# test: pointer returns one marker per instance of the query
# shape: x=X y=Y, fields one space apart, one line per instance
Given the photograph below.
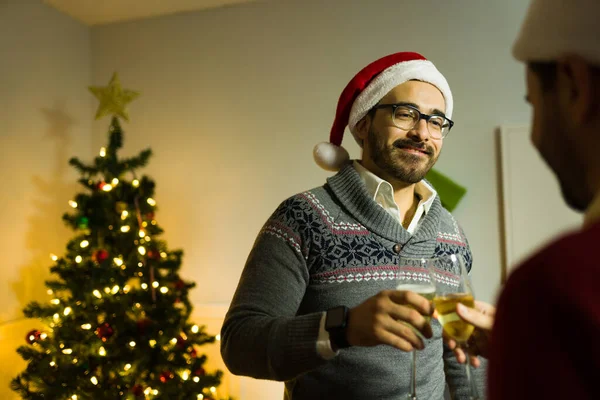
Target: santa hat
x=365 y=90
x=554 y=28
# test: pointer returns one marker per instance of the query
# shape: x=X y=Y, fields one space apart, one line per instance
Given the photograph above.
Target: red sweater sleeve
x=546 y=338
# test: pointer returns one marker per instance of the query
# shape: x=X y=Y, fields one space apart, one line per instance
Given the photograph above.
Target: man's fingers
x=485 y=308
x=414 y=300
x=475 y=317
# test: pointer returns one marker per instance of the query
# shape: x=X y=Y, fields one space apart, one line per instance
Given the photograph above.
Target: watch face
x=336 y=317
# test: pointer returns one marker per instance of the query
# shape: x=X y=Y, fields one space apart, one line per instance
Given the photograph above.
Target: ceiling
x=94 y=12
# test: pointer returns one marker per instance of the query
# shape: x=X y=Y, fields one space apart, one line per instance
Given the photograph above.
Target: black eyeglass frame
x=421 y=115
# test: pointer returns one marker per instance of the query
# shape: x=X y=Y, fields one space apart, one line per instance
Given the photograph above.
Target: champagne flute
x=414 y=275
x=453 y=286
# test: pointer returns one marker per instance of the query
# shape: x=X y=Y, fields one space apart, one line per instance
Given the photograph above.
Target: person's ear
x=575 y=85
x=362 y=127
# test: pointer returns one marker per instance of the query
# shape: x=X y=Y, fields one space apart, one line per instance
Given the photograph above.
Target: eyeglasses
x=406 y=117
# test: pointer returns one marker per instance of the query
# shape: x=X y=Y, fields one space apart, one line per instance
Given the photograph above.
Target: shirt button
x=397 y=248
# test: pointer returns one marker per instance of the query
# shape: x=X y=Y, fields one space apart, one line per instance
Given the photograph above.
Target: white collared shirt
x=383 y=194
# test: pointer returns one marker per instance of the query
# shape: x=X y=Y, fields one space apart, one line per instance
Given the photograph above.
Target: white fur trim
x=393 y=76
x=554 y=28
x=329 y=156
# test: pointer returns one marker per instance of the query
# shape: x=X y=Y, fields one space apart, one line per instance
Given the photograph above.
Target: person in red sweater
x=542 y=341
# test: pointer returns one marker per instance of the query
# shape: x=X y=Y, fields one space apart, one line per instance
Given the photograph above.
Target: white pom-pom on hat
x=365 y=90
x=330 y=157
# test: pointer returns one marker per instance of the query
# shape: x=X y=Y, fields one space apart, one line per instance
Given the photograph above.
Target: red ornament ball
x=199 y=372
x=100 y=255
x=104 y=331
x=101 y=185
x=137 y=390
x=153 y=254
x=150 y=215
x=166 y=376
x=143 y=325
x=33 y=336
x=193 y=353
x=180 y=284
x=181 y=342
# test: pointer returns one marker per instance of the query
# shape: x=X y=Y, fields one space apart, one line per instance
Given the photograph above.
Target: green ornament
x=83 y=222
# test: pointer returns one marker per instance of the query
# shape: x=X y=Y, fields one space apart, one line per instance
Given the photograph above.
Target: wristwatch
x=336 y=322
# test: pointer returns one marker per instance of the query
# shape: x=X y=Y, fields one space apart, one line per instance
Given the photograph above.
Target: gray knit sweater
x=329 y=246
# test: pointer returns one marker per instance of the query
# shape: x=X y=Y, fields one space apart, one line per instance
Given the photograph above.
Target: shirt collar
x=374 y=184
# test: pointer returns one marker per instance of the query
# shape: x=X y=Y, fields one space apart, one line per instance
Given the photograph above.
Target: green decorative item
x=449 y=191
x=83 y=223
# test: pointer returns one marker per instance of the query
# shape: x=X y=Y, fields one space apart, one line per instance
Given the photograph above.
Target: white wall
x=44 y=71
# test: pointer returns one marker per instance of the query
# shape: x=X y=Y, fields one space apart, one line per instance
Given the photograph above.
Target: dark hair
x=546 y=72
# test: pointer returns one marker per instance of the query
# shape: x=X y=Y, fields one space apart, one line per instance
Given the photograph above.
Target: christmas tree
x=118 y=318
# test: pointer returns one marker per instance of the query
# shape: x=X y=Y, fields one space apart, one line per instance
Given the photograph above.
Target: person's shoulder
x=567 y=259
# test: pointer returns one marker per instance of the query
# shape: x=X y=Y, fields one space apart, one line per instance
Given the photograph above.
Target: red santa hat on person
x=365 y=90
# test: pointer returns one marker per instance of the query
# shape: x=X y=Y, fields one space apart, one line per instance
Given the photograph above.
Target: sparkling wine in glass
x=453 y=286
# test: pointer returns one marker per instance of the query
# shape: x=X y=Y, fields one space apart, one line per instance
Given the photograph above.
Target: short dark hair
x=546 y=72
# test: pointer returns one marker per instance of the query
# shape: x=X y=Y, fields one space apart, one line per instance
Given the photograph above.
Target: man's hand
x=390 y=317
x=482 y=317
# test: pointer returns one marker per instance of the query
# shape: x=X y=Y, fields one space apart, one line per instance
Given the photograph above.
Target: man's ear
x=575 y=83
x=362 y=127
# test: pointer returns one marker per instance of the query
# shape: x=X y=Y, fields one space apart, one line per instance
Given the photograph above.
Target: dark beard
x=407 y=168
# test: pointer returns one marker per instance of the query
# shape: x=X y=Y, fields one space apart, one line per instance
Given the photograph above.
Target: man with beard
x=544 y=341
x=316 y=304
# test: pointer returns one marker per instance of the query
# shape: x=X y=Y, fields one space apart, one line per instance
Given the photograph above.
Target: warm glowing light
x=107 y=187
x=115 y=289
x=135 y=183
x=195 y=329
x=87 y=327
x=124 y=214
x=43 y=335
x=152 y=343
x=52 y=363
x=163 y=254
x=164 y=289
x=148 y=391
x=102 y=151
x=185 y=375
x=94 y=380
x=132 y=343
x=78 y=259
x=84 y=244
x=155 y=392
x=73 y=203
x=125 y=228
x=115 y=182
x=56 y=317
x=142 y=233
x=144 y=286
x=196 y=379
x=74 y=397
x=67 y=311
x=127 y=367
x=200 y=396
x=54 y=257
x=118 y=261
x=67 y=351
x=107 y=290
x=97 y=293
x=102 y=351
x=155 y=284
x=75 y=360
x=218 y=337
x=173 y=341
x=151 y=201
x=49 y=291
x=142 y=250
x=55 y=301
x=126 y=289
x=213 y=389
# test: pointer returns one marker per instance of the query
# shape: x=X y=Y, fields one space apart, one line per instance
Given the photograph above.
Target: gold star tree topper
x=113 y=99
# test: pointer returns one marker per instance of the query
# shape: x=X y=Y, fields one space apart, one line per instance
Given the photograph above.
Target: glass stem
x=472 y=386
x=413 y=377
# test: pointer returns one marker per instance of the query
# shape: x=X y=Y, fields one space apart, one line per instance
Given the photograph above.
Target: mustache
x=407 y=143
